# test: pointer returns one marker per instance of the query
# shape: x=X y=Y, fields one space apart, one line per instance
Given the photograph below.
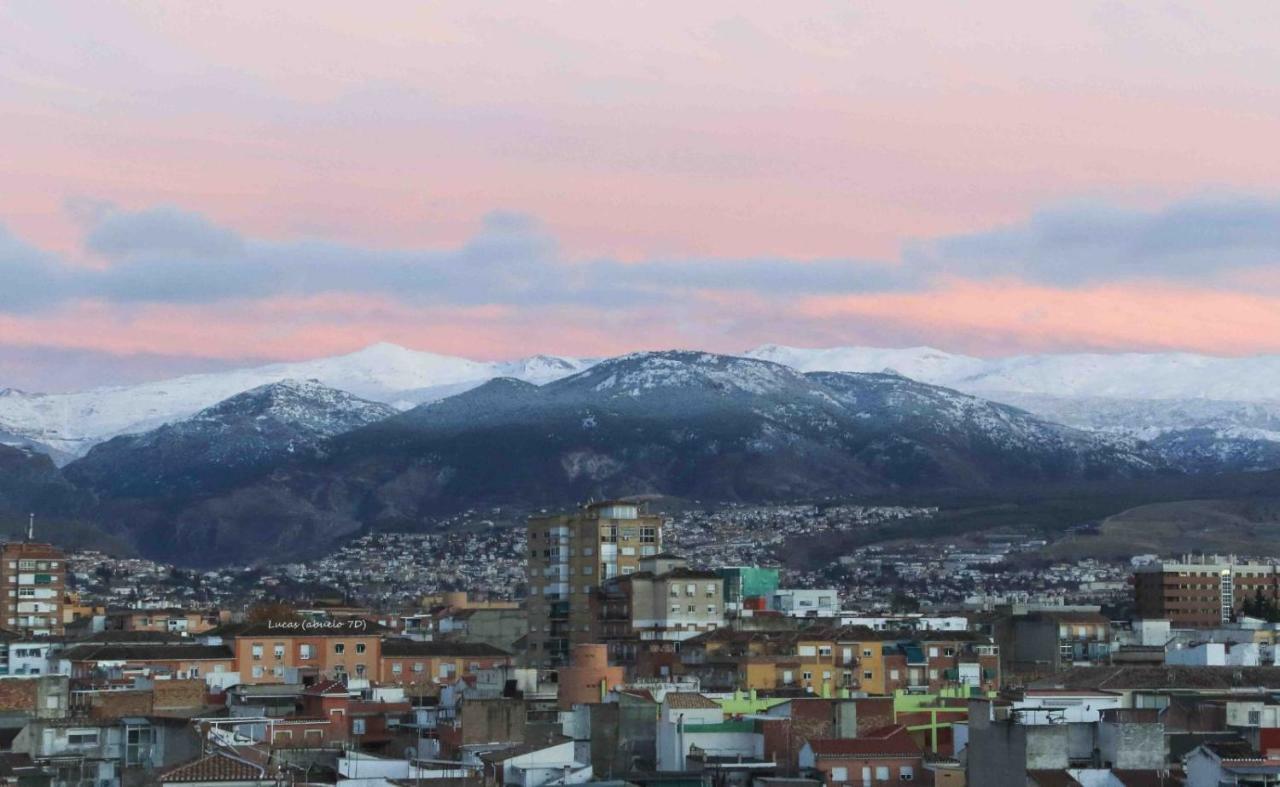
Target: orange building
x=588 y=675
x=406 y=661
x=330 y=649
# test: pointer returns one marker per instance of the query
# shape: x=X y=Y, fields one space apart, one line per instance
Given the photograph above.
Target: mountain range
x=390 y=438
x=1204 y=411
x=292 y=465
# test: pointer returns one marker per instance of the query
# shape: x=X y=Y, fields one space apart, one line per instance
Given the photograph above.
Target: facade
x=749 y=587
x=167 y=620
x=641 y=616
x=405 y=661
x=806 y=602
x=878 y=757
x=269 y=652
x=34 y=577
x=570 y=555
x=1202 y=591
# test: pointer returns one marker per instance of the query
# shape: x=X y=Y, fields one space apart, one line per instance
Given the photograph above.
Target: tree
x=901 y=602
x=272 y=611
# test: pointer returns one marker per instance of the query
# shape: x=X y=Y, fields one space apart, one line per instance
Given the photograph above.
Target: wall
x=1135 y=746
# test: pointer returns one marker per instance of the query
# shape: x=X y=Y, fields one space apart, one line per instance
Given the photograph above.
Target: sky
x=196 y=186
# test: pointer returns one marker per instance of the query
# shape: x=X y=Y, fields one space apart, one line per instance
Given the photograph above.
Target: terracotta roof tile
x=215 y=767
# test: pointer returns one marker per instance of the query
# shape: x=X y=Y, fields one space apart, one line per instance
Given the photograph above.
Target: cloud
x=161 y=231
x=170 y=256
x=1193 y=240
x=167 y=255
x=29 y=278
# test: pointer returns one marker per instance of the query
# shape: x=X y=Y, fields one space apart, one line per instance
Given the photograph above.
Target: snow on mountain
x=924 y=364
x=639 y=373
x=1151 y=376
x=1195 y=409
x=72 y=423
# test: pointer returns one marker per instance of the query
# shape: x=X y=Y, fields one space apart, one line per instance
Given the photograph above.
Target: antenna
x=31 y=528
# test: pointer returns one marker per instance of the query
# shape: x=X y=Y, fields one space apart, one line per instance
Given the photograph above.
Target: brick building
x=34 y=578
x=267 y=652
x=1202 y=591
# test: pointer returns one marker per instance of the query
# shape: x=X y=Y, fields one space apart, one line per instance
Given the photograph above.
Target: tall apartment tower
x=569 y=556
x=33 y=583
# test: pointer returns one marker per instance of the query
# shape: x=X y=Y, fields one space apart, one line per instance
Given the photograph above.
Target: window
x=357 y=726
x=648 y=535
x=82 y=738
x=933 y=653
x=360 y=647
x=839 y=775
x=304 y=652
x=675 y=591
x=675 y=609
x=867 y=675
x=711 y=609
x=588 y=551
x=882 y=771
x=648 y=551
x=866 y=653
x=339 y=647
x=807 y=675
x=1255 y=718
x=824 y=650
x=948 y=651
x=257 y=651
x=906 y=773
x=587 y=570
x=417 y=666
x=278 y=651
x=893 y=674
x=693 y=609
x=257 y=670
x=690 y=590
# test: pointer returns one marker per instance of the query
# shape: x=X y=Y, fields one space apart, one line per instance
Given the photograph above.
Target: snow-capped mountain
x=1200 y=412
x=220 y=443
x=72 y=423
x=1146 y=376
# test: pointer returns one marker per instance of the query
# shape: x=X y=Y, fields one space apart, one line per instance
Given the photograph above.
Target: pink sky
x=705 y=134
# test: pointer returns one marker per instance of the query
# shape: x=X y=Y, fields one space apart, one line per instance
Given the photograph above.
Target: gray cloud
x=170 y=256
x=1197 y=239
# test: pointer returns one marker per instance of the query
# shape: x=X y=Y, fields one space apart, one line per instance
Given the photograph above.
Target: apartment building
x=570 y=555
x=1202 y=591
x=642 y=615
x=405 y=661
x=270 y=652
x=34 y=576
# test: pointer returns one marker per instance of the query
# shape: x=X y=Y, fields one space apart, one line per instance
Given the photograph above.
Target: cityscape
x=609 y=394
x=609 y=643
